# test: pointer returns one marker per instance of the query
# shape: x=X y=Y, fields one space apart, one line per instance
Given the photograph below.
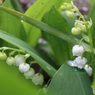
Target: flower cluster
x=20 y=61
x=68 y=7
x=80 y=61
x=81 y=27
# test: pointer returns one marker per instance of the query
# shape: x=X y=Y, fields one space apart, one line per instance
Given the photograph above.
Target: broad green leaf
x=21 y=44
x=61 y=49
x=92 y=16
x=37 y=10
x=70 y=81
x=12 y=82
x=10 y=23
x=46 y=28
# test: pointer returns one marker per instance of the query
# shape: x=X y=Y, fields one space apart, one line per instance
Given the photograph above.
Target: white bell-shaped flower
x=80 y=62
x=19 y=59
x=24 y=67
x=29 y=74
x=10 y=61
x=77 y=50
x=38 y=79
x=88 y=69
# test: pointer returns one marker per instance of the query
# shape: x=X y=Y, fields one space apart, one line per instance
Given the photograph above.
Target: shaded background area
x=83 y=5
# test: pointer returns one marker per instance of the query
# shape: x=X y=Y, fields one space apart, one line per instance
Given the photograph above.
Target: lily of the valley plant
x=48 y=50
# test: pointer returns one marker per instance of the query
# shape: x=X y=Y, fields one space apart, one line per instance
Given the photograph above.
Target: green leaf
x=70 y=81
x=37 y=10
x=61 y=49
x=92 y=16
x=46 y=28
x=21 y=44
x=16 y=5
x=10 y=23
x=12 y=82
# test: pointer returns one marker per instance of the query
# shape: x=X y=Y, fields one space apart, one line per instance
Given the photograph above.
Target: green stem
x=46 y=28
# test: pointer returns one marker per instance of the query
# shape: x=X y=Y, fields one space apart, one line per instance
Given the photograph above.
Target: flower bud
x=24 y=67
x=82 y=27
x=29 y=74
x=10 y=61
x=3 y=56
x=80 y=62
x=63 y=8
x=38 y=79
x=77 y=50
x=76 y=31
x=70 y=14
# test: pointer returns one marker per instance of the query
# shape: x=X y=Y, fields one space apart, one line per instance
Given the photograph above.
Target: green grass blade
x=37 y=10
x=45 y=27
x=10 y=23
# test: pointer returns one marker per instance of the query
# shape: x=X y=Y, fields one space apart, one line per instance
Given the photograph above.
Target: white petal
x=72 y=63
x=80 y=62
x=88 y=69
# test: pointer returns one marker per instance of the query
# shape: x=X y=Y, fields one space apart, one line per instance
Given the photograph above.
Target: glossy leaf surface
x=70 y=81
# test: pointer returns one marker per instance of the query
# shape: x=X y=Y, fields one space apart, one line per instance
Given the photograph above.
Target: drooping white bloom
x=88 y=69
x=29 y=74
x=38 y=79
x=10 y=61
x=24 y=67
x=80 y=62
x=19 y=59
x=77 y=50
